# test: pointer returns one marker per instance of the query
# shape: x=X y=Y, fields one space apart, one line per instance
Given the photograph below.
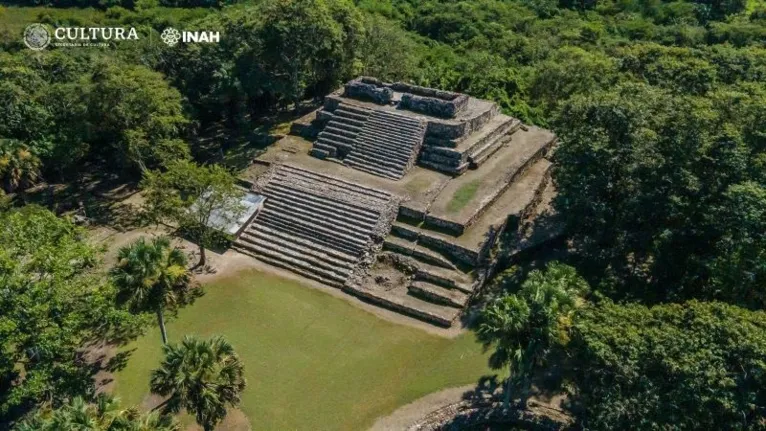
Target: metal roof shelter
x=252 y=204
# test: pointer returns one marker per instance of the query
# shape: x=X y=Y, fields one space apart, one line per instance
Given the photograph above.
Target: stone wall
x=445 y=134
x=369 y=89
x=431 y=92
x=432 y=105
x=430 y=101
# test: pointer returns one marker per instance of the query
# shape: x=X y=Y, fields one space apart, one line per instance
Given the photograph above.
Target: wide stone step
x=288 y=202
x=295 y=258
x=373 y=170
x=391 y=135
x=453 y=170
x=438 y=294
x=345 y=259
x=338 y=145
x=410 y=305
x=276 y=186
x=348 y=121
x=446 y=161
x=297 y=268
x=451 y=279
x=305 y=183
x=335 y=138
x=345 y=113
x=488 y=151
x=329 y=220
x=334 y=242
x=308 y=200
x=374 y=160
x=319 y=223
x=340 y=131
x=393 y=129
x=367 y=191
x=404 y=147
x=409 y=248
x=388 y=134
x=344 y=124
x=299 y=251
x=498 y=126
x=383 y=159
x=329 y=149
x=388 y=117
x=319 y=153
x=329 y=232
x=383 y=151
x=355 y=109
x=480 y=153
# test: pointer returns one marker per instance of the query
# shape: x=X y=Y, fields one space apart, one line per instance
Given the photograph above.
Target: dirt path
x=407 y=415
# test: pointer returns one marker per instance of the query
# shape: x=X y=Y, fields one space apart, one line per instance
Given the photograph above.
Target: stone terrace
x=315 y=225
x=332 y=201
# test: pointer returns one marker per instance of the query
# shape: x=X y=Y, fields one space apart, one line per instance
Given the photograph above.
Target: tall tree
x=686 y=366
x=524 y=327
x=188 y=195
x=152 y=276
x=308 y=44
x=54 y=301
x=138 y=117
x=105 y=414
x=201 y=376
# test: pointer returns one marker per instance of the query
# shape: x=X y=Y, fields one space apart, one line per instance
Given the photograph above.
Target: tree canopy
x=201 y=376
x=55 y=301
x=188 y=196
x=526 y=326
x=697 y=365
x=105 y=414
x=153 y=277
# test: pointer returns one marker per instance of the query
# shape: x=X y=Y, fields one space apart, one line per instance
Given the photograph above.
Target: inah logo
x=170 y=36
x=36 y=37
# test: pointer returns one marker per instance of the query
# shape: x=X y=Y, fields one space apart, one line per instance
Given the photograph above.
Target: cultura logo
x=170 y=36
x=36 y=37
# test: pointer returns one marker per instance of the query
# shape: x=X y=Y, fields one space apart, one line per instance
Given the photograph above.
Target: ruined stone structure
x=399 y=195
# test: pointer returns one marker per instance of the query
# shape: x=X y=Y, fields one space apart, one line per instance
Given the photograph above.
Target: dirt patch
x=404 y=416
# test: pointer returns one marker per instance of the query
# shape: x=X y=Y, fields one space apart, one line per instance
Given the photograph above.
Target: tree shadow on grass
x=119 y=361
x=94 y=200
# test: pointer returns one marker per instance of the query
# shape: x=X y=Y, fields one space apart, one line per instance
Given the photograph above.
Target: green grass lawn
x=463 y=195
x=313 y=361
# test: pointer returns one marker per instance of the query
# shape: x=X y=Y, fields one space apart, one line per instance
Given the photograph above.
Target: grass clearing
x=463 y=195
x=313 y=361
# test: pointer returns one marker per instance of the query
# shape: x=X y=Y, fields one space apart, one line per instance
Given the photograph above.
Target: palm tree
x=525 y=326
x=103 y=415
x=201 y=376
x=152 y=276
x=19 y=168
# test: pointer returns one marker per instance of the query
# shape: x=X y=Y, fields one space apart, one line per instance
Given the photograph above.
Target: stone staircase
x=387 y=144
x=338 y=138
x=312 y=224
x=456 y=156
x=439 y=288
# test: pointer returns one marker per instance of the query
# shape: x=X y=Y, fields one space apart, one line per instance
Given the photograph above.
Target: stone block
x=358 y=89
